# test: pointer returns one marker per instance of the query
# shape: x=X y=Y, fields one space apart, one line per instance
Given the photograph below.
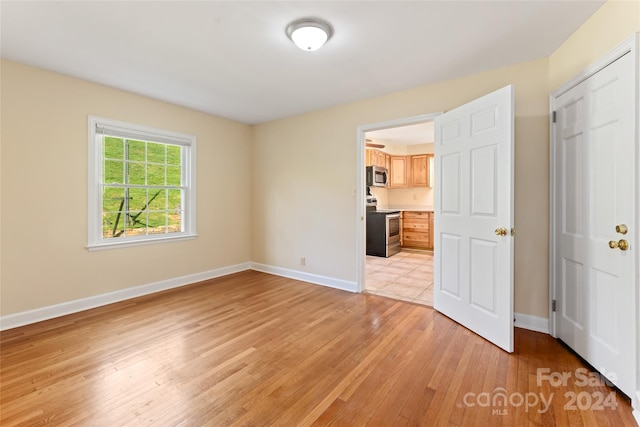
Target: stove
x=383 y=231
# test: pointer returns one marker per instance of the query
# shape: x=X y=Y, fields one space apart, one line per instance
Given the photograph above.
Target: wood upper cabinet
x=420 y=170
x=399 y=171
x=404 y=171
x=376 y=158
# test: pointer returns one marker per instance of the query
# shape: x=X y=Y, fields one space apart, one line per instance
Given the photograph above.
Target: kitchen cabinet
x=404 y=171
x=376 y=158
x=399 y=172
x=417 y=230
x=420 y=176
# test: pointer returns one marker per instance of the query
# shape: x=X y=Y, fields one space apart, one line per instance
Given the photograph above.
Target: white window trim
x=94 y=236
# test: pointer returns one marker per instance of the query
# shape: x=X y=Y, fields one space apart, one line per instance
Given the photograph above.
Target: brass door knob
x=622 y=229
x=501 y=231
x=622 y=244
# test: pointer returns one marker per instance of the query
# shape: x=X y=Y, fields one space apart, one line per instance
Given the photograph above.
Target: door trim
x=360 y=184
x=628 y=47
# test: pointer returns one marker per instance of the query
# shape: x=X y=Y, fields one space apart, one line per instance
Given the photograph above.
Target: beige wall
x=304 y=178
x=44 y=192
x=613 y=23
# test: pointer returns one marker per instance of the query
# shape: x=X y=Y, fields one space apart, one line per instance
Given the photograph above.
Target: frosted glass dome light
x=309 y=33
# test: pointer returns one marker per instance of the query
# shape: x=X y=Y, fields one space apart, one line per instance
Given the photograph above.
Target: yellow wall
x=304 y=177
x=612 y=24
x=44 y=192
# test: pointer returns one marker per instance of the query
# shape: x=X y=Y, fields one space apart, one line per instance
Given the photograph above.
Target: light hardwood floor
x=407 y=275
x=252 y=349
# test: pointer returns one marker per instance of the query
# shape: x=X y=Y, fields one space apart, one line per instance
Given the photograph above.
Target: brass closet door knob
x=622 y=244
x=622 y=229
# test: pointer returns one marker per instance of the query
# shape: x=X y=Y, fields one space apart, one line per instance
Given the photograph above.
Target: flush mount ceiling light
x=309 y=33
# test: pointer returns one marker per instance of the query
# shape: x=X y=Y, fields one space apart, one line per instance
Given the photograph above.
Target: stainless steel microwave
x=377 y=176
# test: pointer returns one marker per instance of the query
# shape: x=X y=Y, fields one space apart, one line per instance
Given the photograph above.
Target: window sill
x=141 y=242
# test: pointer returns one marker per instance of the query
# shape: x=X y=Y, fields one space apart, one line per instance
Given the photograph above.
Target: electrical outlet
x=303 y=261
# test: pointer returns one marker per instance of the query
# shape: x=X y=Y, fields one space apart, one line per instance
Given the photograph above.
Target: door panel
x=473 y=280
x=450 y=183
x=483 y=275
x=451 y=259
x=572 y=292
x=595 y=191
x=484 y=174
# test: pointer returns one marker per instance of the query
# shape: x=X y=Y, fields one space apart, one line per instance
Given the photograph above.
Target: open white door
x=473 y=243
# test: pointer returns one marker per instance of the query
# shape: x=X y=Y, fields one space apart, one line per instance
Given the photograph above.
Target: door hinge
x=553 y=305
x=553 y=117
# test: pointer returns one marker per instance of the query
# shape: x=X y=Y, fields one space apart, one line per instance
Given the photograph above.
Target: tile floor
x=407 y=276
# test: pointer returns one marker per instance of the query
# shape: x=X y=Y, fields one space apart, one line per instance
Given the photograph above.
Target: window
x=141 y=184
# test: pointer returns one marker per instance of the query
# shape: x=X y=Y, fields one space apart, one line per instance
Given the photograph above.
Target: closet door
x=595 y=222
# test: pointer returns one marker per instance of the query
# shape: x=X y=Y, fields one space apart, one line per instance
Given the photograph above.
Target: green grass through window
x=152 y=210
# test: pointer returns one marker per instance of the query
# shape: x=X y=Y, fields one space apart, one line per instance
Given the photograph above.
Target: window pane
x=112 y=225
x=175 y=222
x=135 y=150
x=112 y=199
x=175 y=200
x=136 y=173
x=113 y=148
x=175 y=211
x=173 y=176
x=113 y=172
x=157 y=200
x=137 y=199
x=155 y=152
x=155 y=174
x=173 y=155
x=157 y=222
x=136 y=223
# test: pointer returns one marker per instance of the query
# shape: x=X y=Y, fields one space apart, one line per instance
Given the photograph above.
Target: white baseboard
x=306 y=277
x=532 y=323
x=32 y=316
x=10 y=321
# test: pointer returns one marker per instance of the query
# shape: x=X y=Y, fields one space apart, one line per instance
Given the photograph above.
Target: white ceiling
x=233 y=59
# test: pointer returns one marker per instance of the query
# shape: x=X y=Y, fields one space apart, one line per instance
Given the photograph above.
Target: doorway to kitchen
x=403 y=149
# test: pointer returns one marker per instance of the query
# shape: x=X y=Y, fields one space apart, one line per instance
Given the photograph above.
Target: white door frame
x=361 y=181
x=628 y=47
